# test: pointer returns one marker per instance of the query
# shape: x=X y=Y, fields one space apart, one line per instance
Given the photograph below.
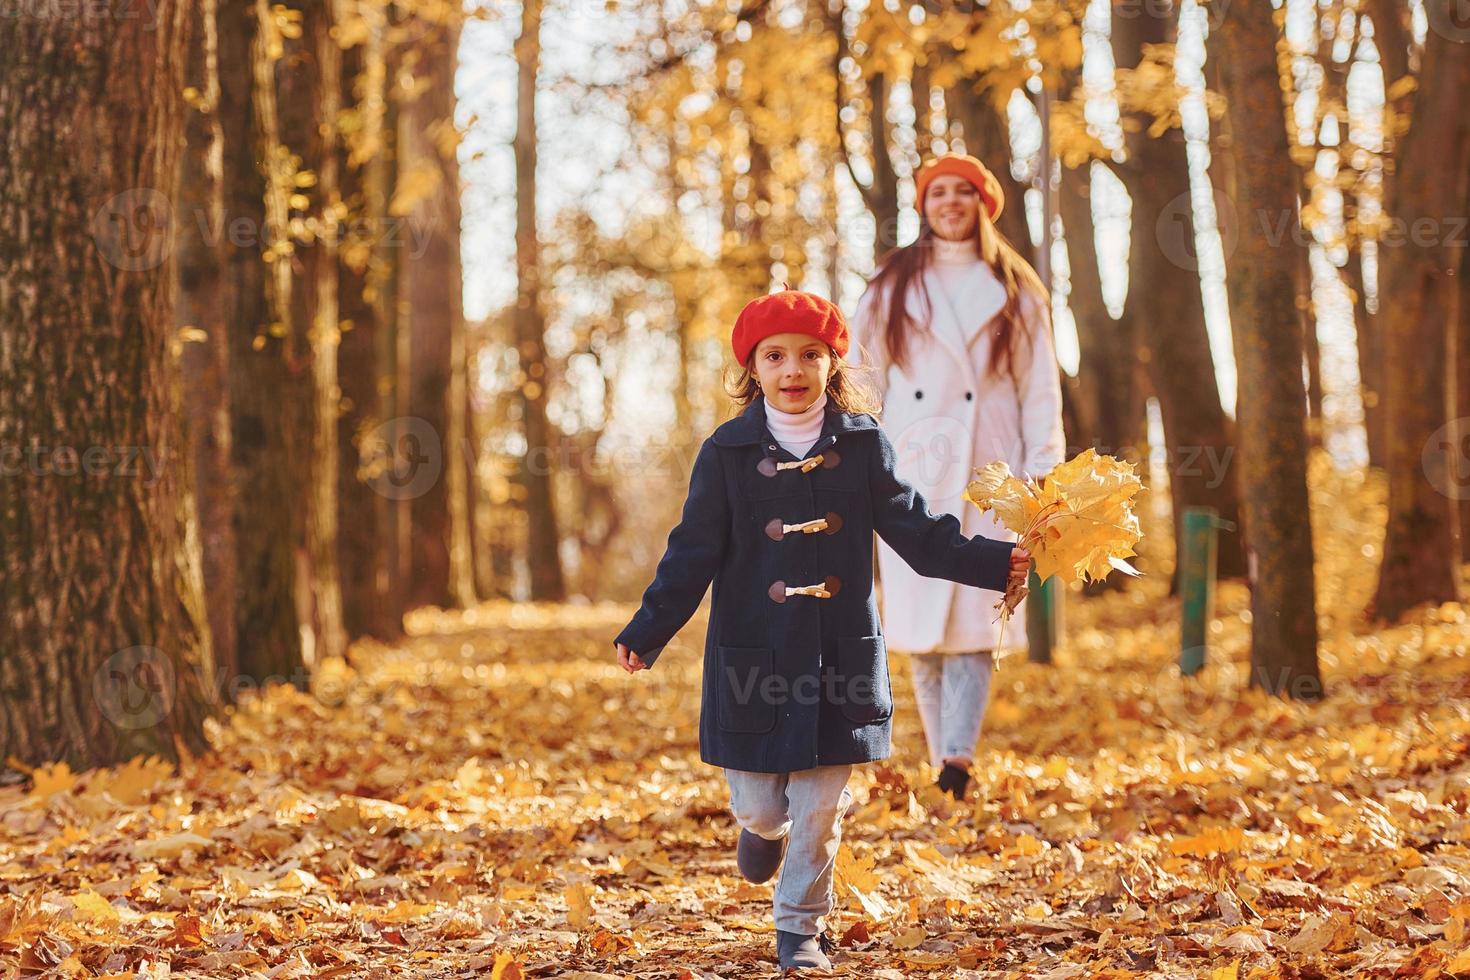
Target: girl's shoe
x=795 y=951
x=953 y=779
x=757 y=857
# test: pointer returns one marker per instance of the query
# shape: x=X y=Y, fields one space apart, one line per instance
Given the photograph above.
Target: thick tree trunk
x=206 y=352
x=434 y=317
x=1460 y=452
x=547 y=581
x=268 y=638
x=1268 y=350
x=1420 y=287
x=310 y=93
x=1166 y=307
x=397 y=458
x=361 y=552
x=104 y=643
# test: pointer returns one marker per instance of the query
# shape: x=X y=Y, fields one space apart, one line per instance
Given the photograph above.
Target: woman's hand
x=630 y=661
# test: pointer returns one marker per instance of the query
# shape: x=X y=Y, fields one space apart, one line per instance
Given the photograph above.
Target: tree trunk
x=544 y=556
x=1312 y=348
x=206 y=354
x=361 y=551
x=104 y=648
x=397 y=458
x=1420 y=289
x=1112 y=405
x=1460 y=451
x=1268 y=350
x=268 y=637
x=1370 y=361
x=882 y=196
x=434 y=318
x=1166 y=307
x=310 y=92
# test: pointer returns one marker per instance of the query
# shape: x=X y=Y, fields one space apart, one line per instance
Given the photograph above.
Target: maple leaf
x=1077 y=522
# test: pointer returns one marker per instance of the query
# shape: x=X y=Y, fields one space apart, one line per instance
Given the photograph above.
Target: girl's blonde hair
x=847 y=390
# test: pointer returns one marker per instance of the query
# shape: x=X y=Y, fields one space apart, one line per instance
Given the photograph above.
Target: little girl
x=783 y=504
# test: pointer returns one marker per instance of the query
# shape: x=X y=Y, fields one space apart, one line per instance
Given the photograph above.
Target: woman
x=957 y=329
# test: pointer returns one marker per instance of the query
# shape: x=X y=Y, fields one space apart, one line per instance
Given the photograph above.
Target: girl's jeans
x=952 y=690
x=808 y=805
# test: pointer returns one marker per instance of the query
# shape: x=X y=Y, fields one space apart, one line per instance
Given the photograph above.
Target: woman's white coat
x=946 y=417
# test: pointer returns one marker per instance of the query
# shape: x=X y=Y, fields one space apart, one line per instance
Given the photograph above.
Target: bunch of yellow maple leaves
x=1077 y=521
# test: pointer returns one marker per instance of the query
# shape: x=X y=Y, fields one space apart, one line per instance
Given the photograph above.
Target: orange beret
x=971 y=169
x=788 y=311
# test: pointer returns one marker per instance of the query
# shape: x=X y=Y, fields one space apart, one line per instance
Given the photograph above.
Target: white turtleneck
x=797 y=432
x=953 y=261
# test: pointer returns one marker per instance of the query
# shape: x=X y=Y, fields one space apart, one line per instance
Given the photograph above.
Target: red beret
x=962 y=165
x=789 y=311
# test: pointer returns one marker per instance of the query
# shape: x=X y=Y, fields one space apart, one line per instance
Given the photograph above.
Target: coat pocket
x=743 y=690
x=864 y=694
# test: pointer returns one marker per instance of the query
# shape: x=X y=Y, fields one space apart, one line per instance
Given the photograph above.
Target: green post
x=1197 y=586
x=1043 y=617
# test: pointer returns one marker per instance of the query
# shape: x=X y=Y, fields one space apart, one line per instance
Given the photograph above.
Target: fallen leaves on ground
x=493 y=797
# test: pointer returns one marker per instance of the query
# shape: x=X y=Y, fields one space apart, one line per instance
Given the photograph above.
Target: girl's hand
x=630 y=661
x=1020 y=567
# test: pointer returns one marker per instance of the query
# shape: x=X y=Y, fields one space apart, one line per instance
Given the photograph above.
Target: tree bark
x=104 y=648
x=1460 y=450
x=1268 y=350
x=268 y=636
x=310 y=92
x=367 y=604
x=1370 y=361
x=1113 y=407
x=434 y=318
x=1166 y=307
x=1420 y=289
x=206 y=354
x=547 y=581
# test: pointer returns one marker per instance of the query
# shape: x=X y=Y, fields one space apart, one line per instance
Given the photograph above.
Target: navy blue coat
x=793 y=681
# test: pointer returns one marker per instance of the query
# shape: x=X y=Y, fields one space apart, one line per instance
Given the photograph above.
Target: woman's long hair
x=902 y=266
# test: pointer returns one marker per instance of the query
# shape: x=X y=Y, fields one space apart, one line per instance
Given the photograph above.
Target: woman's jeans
x=952 y=690
x=809 y=806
